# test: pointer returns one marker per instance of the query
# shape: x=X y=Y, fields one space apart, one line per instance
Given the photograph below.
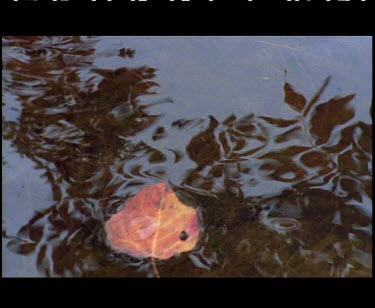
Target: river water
x=268 y=138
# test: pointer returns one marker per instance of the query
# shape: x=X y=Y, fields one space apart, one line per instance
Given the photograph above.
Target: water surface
x=269 y=138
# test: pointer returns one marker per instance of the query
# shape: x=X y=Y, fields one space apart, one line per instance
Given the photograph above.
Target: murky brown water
x=270 y=139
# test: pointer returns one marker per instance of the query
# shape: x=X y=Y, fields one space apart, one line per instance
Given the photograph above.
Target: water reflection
x=79 y=124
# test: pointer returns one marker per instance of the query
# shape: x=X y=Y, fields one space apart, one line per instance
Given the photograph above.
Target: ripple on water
x=284 y=224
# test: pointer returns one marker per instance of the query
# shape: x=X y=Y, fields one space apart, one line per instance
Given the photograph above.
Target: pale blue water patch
x=22 y=183
x=223 y=75
x=25 y=191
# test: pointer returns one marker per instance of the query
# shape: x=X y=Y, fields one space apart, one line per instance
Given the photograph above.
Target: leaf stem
x=156 y=271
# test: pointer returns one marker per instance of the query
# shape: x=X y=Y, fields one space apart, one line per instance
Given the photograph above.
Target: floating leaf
x=365 y=137
x=345 y=140
x=285 y=171
x=279 y=122
x=159 y=133
x=295 y=100
x=285 y=153
x=315 y=159
x=230 y=120
x=155 y=223
x=292 y=133
x=126 y=52
x=316 y=97
x=203 y=148
x=20 y=247
x=329 y=115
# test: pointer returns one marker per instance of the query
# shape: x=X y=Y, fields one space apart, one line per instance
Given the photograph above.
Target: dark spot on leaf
x=184 y=236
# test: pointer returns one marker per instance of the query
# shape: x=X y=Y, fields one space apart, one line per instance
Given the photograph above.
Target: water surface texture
x=268 y=138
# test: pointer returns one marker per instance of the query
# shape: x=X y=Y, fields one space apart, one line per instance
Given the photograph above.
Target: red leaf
x=154 y=224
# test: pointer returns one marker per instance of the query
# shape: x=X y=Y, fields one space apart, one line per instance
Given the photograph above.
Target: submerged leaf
x=155 y=223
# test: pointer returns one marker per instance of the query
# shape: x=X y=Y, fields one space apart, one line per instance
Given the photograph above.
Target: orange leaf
x=154 y=223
